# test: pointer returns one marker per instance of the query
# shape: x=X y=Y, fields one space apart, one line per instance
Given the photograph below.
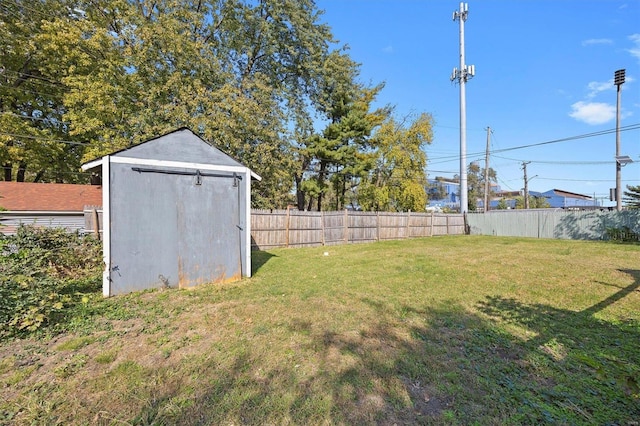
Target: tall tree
x=34 y=140
x=340 y=153
x=398 y=180
x=243 y=74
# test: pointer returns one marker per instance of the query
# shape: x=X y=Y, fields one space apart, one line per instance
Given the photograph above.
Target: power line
x=572 y=138
x=568 y=163
x=630 y=127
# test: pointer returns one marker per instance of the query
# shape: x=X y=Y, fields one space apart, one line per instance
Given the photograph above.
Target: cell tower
x=464 y=73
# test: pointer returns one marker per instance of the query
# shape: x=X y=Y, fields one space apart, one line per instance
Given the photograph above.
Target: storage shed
x=176 y=213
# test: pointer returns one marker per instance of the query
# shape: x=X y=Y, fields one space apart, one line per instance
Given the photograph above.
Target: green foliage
x=534 y=202
x=398 y=180
x=502 y=204
x=82 y=79
x=632 y=197
x=43 y=273
x=622 y=235
x=341 y=153
x=31 y=96
x=476 y=184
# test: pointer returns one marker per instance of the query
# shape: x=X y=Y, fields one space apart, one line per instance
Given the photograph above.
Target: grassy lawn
x=443 y=330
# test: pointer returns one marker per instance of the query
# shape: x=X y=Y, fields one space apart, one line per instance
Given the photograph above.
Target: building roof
x=26 y=196
x=568 y=194
x=181 y=145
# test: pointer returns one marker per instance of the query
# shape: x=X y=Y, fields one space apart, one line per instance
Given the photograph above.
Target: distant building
x=559 y=198
x=443 y=193
x=55 y=205
x=26 y=196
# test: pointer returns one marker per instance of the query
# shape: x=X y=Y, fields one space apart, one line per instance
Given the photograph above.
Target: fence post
x=96 y=224
x=346 y=226
x=408 y=220
x=377 y=225
x=288 y=224
x=322 y=227
x=431 y=228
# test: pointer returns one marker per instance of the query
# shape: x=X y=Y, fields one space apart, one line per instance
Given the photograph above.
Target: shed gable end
x=181 y=145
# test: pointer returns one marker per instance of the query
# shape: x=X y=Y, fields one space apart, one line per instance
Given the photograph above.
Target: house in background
x=46 y=204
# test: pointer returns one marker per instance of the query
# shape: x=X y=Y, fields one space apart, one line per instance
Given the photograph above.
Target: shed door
x=209 y=232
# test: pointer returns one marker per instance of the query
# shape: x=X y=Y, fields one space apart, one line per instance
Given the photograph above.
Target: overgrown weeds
x=44 y=274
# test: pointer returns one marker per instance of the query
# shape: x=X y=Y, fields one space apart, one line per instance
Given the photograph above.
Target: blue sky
x=544 y=71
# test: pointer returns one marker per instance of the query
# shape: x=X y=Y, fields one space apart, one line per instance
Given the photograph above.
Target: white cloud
x=388 y=49
x=635 y=51
x=596 y=87
x=592 y=41
x=593 y=112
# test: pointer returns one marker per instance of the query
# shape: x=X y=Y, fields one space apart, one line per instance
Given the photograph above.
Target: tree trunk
x=22 y=169
x=321 y=174
x=8 y=171
x=300 y=195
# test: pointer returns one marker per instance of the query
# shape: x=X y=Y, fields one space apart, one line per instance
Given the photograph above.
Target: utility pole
x=486 y=172
x=526 y=185
x=618 y=81
x=462 y=75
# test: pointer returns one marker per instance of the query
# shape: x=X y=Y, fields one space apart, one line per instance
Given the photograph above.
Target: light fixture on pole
x=462 y=75
x=618 y=80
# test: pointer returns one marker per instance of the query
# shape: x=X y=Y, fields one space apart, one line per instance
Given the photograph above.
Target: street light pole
x=618 y=81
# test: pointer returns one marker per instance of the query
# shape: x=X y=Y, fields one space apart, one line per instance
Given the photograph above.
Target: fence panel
x=559 y=224
x=334 y=228
x=363 y=227
x=268 y=229
x=305 y=229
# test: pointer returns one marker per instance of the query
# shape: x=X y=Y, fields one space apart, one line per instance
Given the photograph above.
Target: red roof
x=24 y=196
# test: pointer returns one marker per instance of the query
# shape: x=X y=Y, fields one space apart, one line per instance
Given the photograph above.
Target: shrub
x=624 y=234
x=43 y=273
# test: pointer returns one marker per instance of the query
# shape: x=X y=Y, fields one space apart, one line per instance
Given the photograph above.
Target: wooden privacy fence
x=285 y=228
x=294 y=228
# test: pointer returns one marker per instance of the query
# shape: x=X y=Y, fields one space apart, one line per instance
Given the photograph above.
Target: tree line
x=263 y=80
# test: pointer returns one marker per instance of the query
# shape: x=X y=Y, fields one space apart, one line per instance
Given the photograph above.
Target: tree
x=534 y=202
x=476 y=184
x=232 y=71
x=243 y=74
x=632 y=197
x=398 y=180
x=340 y=154
x=34 y=140
x=502 y=204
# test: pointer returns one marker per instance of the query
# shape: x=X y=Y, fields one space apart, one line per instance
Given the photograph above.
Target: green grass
x=445 y=330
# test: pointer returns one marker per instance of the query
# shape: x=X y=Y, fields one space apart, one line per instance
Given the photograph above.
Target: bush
x=624 y=235
x=44 y=272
